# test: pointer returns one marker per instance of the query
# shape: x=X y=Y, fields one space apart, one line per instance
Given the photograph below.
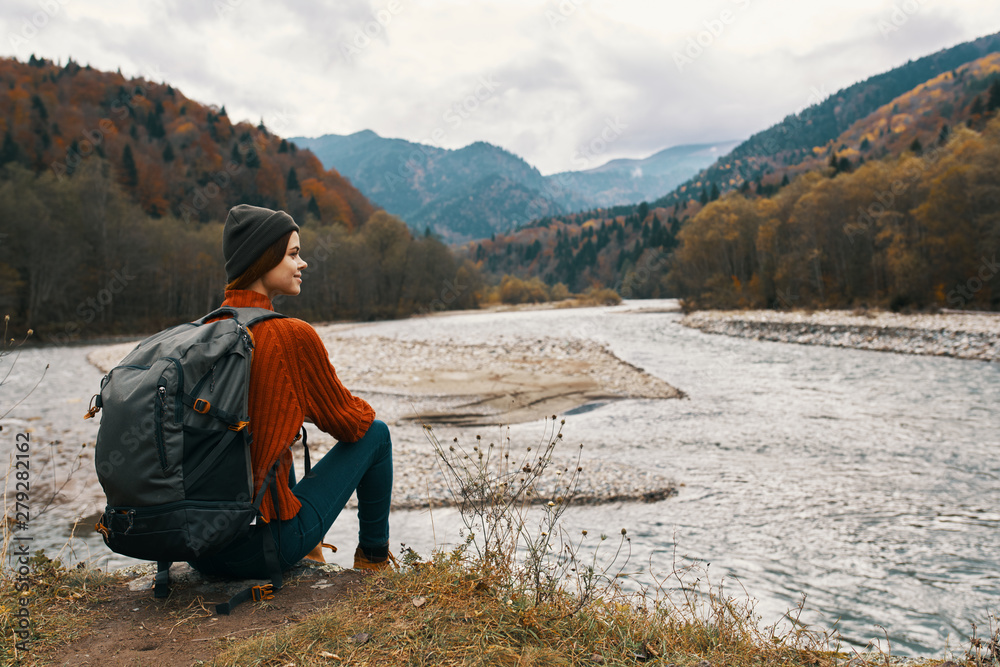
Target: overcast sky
x=542 y=78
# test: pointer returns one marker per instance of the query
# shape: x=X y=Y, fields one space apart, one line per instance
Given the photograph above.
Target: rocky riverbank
x=961 y=335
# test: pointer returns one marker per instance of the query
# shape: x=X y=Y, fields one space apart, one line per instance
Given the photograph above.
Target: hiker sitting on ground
x=292 y=380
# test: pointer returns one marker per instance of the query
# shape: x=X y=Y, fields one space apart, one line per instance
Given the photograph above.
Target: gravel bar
x=960 y=335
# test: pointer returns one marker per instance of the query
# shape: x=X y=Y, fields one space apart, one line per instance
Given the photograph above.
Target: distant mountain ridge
x=801 y=136
x=630 y=181
x=482 y=189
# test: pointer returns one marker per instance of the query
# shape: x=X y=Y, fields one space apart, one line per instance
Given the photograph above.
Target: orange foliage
x=185 y=165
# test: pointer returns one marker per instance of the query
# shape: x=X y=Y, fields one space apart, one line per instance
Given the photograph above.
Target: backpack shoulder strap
x=250 y=316
x=245 y=316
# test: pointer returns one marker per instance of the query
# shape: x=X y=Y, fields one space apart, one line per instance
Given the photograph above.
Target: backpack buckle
x=201 y=406
x=265 y=592
x=238 y=426
x=94 y=408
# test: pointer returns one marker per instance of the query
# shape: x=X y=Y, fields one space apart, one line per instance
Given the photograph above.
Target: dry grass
x=58 y=599
x=452 y=613
x=518 y=591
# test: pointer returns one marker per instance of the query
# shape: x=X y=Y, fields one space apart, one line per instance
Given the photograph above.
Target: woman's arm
x=325 y=400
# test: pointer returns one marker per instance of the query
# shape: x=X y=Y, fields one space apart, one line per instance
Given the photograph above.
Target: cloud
x=563 y=69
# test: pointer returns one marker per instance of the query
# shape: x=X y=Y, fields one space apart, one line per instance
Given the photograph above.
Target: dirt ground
x=132 y=628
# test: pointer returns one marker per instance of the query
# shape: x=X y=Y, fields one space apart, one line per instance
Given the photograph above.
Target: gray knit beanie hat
x=249 y=231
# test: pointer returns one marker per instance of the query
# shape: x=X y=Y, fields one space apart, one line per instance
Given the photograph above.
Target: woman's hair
x=268 y=259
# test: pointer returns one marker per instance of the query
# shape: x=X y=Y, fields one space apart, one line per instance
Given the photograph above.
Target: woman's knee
x=378 y=430
x=378 y=436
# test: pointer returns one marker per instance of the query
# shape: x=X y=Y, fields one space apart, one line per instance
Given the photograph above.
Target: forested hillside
x=174 y=156
x=898 y=210
x=817 y=128
x=910 y=231
x=112 y=198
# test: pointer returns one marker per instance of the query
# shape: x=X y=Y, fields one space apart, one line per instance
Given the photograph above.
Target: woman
x=291 y=381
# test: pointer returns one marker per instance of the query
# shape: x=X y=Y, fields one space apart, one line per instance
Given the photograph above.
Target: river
x=865 y=481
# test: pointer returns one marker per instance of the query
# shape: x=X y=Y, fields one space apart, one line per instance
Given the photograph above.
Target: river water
x=865 y=481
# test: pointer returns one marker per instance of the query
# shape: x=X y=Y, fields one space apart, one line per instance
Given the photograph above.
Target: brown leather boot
x=361 y=561
x=316 y=554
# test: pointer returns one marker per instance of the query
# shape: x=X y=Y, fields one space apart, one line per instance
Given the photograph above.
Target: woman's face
x=285 y=278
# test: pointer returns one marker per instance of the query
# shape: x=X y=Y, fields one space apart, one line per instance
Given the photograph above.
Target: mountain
x=868 y=216
x=814 y=130
x=173 y=155
x=626 y=181
x=482 y=189
x=460 y=194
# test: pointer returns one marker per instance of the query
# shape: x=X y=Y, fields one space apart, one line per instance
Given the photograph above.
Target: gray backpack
x=173 y=448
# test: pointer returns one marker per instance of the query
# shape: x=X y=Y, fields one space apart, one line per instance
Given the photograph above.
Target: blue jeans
x=365 y=465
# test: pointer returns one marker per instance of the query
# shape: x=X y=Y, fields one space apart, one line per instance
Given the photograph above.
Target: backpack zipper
x=158 y=418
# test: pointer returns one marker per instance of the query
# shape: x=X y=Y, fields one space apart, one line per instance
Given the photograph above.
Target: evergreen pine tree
x=313 y=208
x=252 y=159
x=131 y=172
x=944 y=134
x=704 y=196
x=283 y=148
x=39 y=106
x=715 y=192
x=994 y=96
x=643 y=211
x=168 y=153
x=917 y=147
x=292 y=182
x=235 y=156
x=10 y=151
x=154 y=126
x=71 y=164
x=977 y=106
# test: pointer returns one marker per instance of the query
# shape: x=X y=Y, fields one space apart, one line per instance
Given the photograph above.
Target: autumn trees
x=176 y=157
x=112 y=197
x=913 y=231
x=79 y=258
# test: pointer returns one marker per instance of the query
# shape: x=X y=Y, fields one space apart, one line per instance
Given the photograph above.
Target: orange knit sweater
x=292 y=380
